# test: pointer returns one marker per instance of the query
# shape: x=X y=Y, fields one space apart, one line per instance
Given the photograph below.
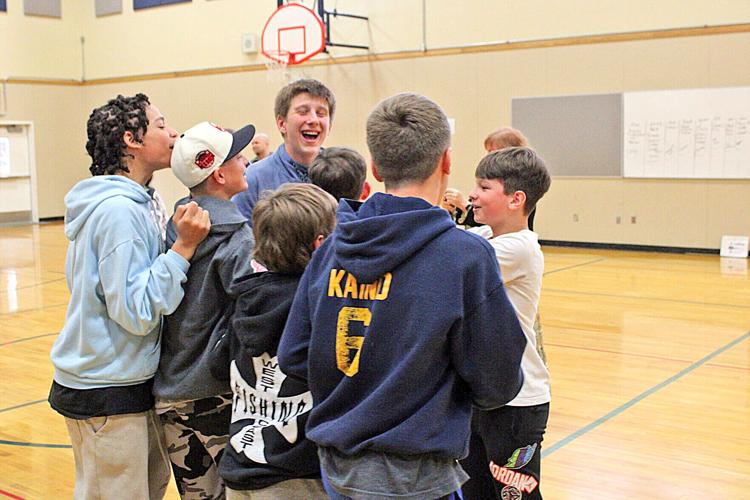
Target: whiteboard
x=696 y=133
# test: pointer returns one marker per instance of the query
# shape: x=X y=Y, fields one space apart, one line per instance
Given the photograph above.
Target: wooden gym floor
x=649 y=354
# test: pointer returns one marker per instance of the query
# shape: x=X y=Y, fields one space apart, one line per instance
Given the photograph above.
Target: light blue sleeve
x=137 y=290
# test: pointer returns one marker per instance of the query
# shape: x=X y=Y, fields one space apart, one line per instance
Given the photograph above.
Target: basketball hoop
x=293 y=34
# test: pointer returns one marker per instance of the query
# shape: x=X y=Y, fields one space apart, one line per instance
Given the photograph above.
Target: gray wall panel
x=46 y=8
x=577 y=135
x=107 y=7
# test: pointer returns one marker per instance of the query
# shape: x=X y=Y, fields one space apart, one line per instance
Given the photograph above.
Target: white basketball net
x=277 y=72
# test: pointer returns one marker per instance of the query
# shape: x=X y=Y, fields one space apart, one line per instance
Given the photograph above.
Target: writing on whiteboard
x=697 y=133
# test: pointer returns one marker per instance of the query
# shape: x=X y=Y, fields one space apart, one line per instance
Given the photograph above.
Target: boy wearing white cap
x=193 y=397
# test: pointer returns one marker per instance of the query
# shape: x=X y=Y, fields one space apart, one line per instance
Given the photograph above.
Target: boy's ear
x=445 y=161
x=365 y=191
x=130 y=140
x=318 y=241
x=218 y=176
x=375 y=172
x=518 y=200
x=281 y=124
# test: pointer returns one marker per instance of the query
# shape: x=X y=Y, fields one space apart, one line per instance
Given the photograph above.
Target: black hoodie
x=266 y=437
x=397 y=335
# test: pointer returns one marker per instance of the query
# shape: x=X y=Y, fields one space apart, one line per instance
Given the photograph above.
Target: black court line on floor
x=573 y=266
x=3 y=410
x=34 y=445
x=659 y=299
x=24 y=443
x=26 y=287
x=628 y=247
x=25 y=339
x=644 y=356
x=33 y=309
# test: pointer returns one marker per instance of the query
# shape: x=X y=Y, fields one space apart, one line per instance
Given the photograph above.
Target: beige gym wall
x=41 y=47
x=206 y=33
x=474 y=88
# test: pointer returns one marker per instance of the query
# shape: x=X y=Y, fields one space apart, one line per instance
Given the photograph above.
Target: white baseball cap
x=205 y=147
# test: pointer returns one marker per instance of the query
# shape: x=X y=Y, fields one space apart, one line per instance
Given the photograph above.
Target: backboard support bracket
x=325 y=15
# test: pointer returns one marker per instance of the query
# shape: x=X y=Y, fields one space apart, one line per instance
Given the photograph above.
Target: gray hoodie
x=192 y=335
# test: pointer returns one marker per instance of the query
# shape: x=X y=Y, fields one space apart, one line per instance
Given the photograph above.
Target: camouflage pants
x=196 y=433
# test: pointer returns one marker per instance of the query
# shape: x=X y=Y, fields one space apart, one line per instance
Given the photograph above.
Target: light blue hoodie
x=120 y=282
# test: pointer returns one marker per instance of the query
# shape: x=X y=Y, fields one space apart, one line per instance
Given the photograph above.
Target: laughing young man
x=304 y=112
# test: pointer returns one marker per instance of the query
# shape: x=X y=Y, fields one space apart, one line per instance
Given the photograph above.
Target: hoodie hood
x=370 y=239
x=82 y=200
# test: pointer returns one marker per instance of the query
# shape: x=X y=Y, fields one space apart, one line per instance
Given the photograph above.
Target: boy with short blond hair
x=192 y=394
x=505 y=453
x=268 y=455
x=394 y=358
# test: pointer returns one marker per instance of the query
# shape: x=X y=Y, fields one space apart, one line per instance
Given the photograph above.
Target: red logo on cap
x=217 y=127
x=205 y=159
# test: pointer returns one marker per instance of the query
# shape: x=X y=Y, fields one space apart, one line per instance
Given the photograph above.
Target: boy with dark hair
x=455 y=202
x=394 y=358
x=341 y=172
x=193 y=398
x=121 y=284
x=505 y=452
x=268 y=456
x=304 y=112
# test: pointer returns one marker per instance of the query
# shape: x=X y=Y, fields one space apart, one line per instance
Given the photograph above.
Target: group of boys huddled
x=288 y=340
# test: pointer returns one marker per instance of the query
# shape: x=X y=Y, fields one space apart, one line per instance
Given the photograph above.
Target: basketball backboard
x=293 y=34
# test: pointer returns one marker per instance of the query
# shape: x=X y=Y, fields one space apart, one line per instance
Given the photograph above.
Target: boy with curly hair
x=121 y=284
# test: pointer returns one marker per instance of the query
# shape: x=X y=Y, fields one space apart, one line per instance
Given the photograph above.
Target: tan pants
x=292 y=489
x=120 y=456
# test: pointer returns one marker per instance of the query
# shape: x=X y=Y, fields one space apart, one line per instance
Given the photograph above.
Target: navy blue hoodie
x=397 y=335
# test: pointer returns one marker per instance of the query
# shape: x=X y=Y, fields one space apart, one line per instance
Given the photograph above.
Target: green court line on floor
x=620 y=409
